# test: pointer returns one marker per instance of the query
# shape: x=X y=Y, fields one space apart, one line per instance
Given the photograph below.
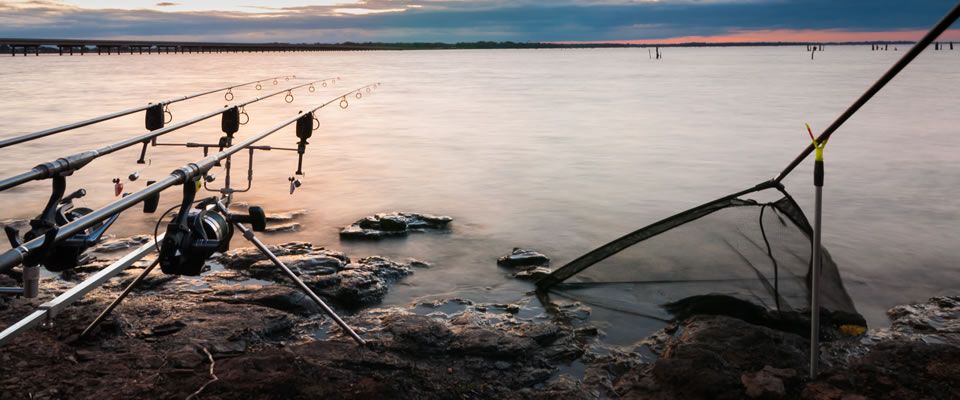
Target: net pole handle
x=918 y=48
x=817 y=262
x=815 y=287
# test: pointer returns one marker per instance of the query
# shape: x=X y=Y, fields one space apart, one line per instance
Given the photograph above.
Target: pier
x=111 y=47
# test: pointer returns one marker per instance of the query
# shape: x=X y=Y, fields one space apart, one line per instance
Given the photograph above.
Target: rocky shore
x=242 y=331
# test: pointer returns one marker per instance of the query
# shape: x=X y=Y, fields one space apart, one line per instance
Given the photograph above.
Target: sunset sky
x=329 y=21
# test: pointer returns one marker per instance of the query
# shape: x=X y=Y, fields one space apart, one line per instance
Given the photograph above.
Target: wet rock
x=228 y=348
x=244 y=257
x=286 y=215
x=542 y=333
x=330 y=273
x=186 y=357
x=522 y=258
x=276 y=297
x=939 y=315
x=115 y=245
x=710 y=353
x=766 y=383
x=165 y=329
x=394 y=224
x=415 y=263
x=283 y=228
x=917 y=357
x=533 y=274
x=362 y=283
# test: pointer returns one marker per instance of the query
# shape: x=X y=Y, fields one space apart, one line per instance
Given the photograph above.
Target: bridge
x=109 y=47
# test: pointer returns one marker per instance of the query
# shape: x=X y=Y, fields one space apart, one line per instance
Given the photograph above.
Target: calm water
x=559 y=150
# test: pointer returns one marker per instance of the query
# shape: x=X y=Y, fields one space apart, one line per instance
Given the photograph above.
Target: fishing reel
x=58 y=212
x=197 y=232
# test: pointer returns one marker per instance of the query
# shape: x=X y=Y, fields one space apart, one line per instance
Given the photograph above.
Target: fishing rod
x=907 y=58
x=72 y=163
x=59 y=212
x=161 y=106
x=196 y=231
x=192 y=171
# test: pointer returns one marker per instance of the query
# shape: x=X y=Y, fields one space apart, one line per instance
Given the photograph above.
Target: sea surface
x=556 y=150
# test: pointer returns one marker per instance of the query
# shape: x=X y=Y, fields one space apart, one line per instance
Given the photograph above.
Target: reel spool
x=195 y=234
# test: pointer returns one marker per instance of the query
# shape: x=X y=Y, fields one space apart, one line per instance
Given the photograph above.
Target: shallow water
x=559 y=150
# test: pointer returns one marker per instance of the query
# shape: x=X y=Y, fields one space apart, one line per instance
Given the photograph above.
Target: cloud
x=471 y=20
x=167 y=4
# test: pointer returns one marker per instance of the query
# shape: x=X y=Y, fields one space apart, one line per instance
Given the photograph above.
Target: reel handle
x=256 y=217
x=73 y=196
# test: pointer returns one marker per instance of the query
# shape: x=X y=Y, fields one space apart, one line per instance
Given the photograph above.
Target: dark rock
x=85 y=355
x=242 y=258
x=939 y=315
x=391 y=223
x=712 y=352
x=362 y=283
x=766 y=383
x=418 y=264
x=394 y=224
x=276 y=297
x=522 y=258
x=286 y=215
x=228 y=348
x=332 y=274
x=533 y=274
x=165 y=329
x=186 y=357
x=114 y=245
x=283 y=228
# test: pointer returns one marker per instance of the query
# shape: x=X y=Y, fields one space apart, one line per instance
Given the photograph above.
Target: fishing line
x=76 y=161
x=53 y=131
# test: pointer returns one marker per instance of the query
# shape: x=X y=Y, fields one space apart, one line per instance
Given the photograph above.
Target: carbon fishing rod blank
x=29 y=251
x=211 y=222
x=74 y=162
x=168 y=117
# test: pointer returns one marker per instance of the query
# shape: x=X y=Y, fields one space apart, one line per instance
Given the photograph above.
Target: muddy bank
x=265 y=340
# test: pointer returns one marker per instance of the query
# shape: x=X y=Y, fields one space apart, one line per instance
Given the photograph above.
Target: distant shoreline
x=51 y=45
